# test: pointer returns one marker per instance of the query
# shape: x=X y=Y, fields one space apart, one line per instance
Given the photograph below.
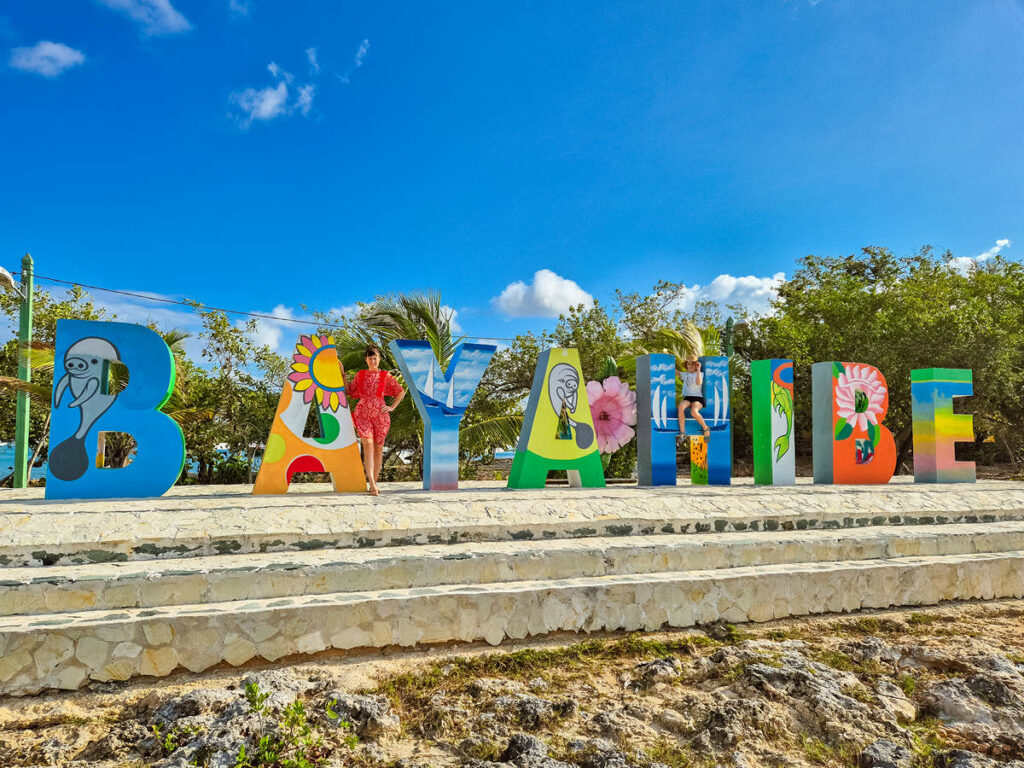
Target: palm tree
x=691 y=340
x=115 y=448
x=418 y=315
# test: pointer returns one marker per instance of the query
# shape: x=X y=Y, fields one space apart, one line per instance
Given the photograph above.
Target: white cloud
x=278 y=73
x=261 y=103
x=364 y=48
x=304 y=101
x=273 y=101
x=314 y=66
x=452 y=314
x=357 y=60
x=965 y=264
x=239 y=7
x=158 y=17
x=46 y=58
x=277 y=335
x=754 y=293
x=549 y=295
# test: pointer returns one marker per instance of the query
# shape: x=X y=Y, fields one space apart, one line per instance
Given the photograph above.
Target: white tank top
x=690 y=386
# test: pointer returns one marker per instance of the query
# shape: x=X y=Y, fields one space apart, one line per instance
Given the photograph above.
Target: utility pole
x=21 y=467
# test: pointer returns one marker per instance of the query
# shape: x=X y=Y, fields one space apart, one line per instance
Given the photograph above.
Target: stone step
x=225 y=578
x=207 y=521
x=66 y=650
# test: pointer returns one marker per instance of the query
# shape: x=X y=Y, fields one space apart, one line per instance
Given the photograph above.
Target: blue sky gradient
x=465 y=147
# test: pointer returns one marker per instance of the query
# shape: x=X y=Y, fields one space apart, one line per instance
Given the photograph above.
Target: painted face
x=563 y=387
x=82 y=367
x=85 y=358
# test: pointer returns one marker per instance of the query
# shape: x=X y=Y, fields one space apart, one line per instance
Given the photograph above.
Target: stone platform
x=106 y=590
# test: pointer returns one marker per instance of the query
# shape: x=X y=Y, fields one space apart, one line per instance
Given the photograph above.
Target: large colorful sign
x=851 y=445
x=937 y=429
x=84 y=406
x=849 y=403
x=771 y=386
x=657 y=422
x=317 y=380
x=441 y=399
x=558 y=430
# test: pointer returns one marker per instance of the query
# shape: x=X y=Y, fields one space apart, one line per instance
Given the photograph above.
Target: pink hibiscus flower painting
x=613 y=408
x=860 y=396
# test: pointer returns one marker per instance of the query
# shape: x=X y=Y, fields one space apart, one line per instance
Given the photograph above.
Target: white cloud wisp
x=549 y=295
x=157 y=17
x=273 y=101
x=46 y=58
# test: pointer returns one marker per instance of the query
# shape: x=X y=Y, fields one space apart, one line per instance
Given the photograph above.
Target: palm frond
x=33 y=388
x=498 y=431
x=189 y=416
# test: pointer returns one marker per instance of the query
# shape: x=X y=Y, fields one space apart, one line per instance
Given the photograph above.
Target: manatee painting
x=85 y=372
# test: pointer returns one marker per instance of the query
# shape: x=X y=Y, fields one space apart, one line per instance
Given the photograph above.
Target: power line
x=196 y=304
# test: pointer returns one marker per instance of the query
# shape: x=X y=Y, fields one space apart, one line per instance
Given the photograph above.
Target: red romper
x=371 y=417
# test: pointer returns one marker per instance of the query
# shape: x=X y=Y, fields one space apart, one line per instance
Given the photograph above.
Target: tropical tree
x=418 y=316
x=902 y=313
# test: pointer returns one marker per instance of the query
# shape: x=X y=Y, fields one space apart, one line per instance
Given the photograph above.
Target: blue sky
x=197 y=148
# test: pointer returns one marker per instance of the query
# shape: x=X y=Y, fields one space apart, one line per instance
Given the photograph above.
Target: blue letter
x=441 y=399
x=83 y=407
x=657 y=425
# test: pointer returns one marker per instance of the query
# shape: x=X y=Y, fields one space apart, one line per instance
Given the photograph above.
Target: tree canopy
x=897 y=313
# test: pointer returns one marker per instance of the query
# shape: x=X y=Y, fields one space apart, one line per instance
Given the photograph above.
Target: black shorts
x=694 y=399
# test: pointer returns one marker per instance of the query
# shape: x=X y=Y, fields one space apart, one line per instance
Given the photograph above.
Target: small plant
x=909 y=684
x=860 y=693
x=835 y=659
x=256 y=698
x=170 y=740
x=350 y=739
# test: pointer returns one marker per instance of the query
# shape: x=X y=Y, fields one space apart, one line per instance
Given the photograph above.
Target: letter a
x=558 y=431
x=851 y=445
x=84 y=406
x=316 y=377
x=441 y=399
x=937 y=429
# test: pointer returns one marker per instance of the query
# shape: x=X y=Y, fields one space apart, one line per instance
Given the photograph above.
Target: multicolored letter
x=317 y=376
x=84 y=406
x=936 y=428
x=851 y=445
x=711 y=457
x=441 y=399
x=657 y=425
x=771 y=383
x=558 y=430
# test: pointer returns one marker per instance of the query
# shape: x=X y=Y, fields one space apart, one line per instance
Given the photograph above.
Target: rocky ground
x=937 y=687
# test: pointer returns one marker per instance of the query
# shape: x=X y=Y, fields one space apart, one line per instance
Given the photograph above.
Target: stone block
x=158 y=662
x=92 y=652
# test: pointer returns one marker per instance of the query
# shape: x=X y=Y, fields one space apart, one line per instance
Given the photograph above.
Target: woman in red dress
x=372 y=416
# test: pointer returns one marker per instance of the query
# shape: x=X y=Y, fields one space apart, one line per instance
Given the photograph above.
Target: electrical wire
x=200 y=305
